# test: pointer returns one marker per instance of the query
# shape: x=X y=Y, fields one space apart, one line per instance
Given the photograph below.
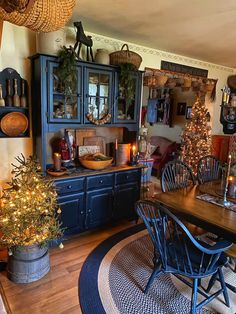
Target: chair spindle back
x=176 y=175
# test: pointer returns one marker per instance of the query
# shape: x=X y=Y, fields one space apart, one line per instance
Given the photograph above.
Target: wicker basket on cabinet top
x=125 y=56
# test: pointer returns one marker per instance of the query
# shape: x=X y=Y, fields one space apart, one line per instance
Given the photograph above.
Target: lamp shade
x=41 y=15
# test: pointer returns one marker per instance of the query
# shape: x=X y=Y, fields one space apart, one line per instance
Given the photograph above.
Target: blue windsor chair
x=176 y=175
x=179 y=253
x=209 y=168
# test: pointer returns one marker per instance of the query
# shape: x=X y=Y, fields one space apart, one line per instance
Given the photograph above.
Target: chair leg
x=194 y=296
x=223 y=286
x=229 y=286
x=211 y=282
x=199 y=282
x=155 y=272
x=155 y=259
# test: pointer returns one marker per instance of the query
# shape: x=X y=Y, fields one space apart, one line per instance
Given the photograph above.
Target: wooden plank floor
x=57 y=292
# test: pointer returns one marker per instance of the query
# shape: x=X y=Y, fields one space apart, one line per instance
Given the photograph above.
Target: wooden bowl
x=95 y=164
x=14 y=123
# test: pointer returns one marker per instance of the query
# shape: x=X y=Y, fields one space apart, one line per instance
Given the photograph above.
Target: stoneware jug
x=102 y=56
x=50 y=43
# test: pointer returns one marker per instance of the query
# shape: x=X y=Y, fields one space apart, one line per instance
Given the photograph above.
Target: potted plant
x=66 y=71
x=28 y=221
x=127 y=83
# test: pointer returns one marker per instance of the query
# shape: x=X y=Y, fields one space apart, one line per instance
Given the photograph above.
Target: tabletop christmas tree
x=196 y=139
x=29 y=207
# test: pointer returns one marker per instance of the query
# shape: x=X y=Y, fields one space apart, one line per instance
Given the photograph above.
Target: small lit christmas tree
x=29 y=207
x=196 y=139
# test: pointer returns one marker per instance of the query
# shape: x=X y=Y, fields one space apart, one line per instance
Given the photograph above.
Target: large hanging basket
x=125 y=56
x=41 y=15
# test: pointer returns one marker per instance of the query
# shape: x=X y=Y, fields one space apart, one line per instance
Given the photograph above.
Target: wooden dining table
x=213 y=218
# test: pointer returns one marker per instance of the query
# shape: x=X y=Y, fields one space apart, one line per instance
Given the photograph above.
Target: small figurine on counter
x=64 y=150
x=67 y=149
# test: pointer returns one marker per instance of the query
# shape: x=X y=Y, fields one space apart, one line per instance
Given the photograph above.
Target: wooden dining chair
x=231 y=253
x=209 y=168
x=179 y=253
x=176 y=175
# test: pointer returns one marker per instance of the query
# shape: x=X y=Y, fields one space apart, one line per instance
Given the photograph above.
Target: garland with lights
x=196 y=138
x=29 y=210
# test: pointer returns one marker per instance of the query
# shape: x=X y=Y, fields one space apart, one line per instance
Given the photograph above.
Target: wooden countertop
x=83 y=172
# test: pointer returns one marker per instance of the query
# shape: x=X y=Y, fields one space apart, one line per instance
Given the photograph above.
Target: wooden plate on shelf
x=14 y=123
x=55 y=173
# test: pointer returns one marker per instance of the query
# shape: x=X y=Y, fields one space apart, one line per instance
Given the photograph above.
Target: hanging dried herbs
x=66 y=71
x=127 y=82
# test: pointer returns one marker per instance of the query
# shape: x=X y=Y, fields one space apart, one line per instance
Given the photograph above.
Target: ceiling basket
x=38 y=15
x=125 y=56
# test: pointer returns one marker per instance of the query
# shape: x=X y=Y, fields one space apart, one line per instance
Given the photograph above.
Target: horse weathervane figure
x=81 y=38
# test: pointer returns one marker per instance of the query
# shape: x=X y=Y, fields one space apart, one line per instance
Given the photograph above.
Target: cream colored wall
x=18 y=43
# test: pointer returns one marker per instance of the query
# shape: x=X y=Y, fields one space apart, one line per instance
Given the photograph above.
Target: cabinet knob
x=89 y=210
x=81 y=212
x=101 y=181
x=127 y=177
x=69 y=186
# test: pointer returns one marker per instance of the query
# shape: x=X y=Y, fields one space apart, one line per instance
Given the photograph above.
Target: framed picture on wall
x=181 y=108
x=188 y=112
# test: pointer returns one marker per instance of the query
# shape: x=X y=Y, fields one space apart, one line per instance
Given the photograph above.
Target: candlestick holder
x=134 y=159
x=224 y=201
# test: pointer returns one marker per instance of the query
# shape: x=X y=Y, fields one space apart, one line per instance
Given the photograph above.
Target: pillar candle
x=57 y=161
x=232 y=187
x=132 y=153
x=116 y=144
x=133 y=150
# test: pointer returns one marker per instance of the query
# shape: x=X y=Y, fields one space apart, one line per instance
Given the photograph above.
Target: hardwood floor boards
x=57 y=292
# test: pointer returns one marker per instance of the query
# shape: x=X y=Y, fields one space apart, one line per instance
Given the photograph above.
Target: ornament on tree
x=196 y=138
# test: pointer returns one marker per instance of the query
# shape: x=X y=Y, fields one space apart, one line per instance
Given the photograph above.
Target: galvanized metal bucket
x=28 y=263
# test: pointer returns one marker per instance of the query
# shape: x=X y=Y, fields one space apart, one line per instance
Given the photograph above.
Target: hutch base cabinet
x=91 y=201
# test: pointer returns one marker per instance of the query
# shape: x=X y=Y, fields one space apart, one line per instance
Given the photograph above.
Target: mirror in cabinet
x=98 y=94
x=64 y=105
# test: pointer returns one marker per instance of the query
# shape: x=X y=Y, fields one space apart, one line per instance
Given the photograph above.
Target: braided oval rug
x=115 y=274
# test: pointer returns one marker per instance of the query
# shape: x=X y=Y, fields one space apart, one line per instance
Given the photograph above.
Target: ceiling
x=201 y=29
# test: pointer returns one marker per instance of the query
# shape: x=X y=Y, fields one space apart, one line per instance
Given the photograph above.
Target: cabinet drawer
x=127 y=176
x=69 y=186
x=100 y=181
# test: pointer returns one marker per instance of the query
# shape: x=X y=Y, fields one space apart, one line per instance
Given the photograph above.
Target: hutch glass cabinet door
x=64 y=107
x=98 y=94
x=126 y=108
